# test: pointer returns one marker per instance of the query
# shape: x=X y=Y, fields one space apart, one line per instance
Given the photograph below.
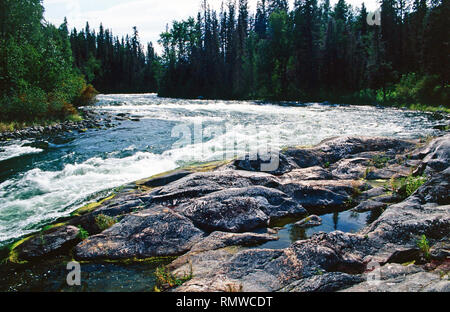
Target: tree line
x=311 y=52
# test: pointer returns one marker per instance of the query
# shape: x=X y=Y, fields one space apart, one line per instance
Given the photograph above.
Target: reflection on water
x=346 y=221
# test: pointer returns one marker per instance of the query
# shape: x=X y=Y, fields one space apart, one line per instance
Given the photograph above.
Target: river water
x=42 y=180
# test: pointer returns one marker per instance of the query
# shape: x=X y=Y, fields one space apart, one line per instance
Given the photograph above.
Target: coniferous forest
x=311 y=52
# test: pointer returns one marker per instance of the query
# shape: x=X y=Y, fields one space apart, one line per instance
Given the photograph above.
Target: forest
x=311 y=52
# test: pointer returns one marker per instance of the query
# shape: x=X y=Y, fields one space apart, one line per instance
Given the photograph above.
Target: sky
x=150 y=16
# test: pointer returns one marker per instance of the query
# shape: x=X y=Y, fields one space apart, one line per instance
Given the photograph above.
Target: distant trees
x=313 y=52
x=112 y=64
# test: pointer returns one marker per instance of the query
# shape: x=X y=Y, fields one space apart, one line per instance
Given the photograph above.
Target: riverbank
x=88 y=119
x=210 y=225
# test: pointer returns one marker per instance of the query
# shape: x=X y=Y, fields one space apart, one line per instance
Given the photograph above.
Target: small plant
x=405 y=187
x=104 y=222
x=165 y=279
x=83 y=234
x=327 y=165
x=380 y=161
x=413 y=183
x=424 y=246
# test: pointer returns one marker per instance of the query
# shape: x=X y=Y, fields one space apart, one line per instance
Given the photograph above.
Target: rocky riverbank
x=210 y=218
x=91 y=120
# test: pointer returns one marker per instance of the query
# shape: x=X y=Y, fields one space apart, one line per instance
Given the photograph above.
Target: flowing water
x=42 y=180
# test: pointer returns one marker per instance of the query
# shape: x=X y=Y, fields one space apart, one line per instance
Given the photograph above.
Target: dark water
x=42 y=180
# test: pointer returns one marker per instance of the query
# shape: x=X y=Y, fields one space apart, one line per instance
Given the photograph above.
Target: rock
x=351 y=169
x=239 y=210
x=436 y=155
x=319 y=197
x=235 y=214
x=46 y=243
x=305 y=174
x=369 y=205
x=203 y=183
x=310 y=221
x=374 y=192
x=217 y=240
x=275 y=163
x=166 y=179
x=324 y=282
x=440 y=250
x=332 y=150
x=399 y=278
x=149 y=233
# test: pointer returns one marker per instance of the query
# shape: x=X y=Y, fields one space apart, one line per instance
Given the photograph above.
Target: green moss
x=13 y=254
x=104 y=222
x=90 y=207
x=379 y=161
x=134 y=260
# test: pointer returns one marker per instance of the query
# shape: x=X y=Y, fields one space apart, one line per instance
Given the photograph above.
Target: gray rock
x=149 y=233
x=369 y=205
x=309 y=221
x=399 y=278
x=45 y=243
x=324 y=282
x=239 y=210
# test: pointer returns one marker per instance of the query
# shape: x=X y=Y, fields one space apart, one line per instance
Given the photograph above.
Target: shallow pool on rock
x=345 y=221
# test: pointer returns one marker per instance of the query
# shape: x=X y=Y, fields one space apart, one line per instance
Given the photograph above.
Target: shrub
x=86 y=97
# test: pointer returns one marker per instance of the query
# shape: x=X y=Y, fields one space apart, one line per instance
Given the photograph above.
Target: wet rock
x=47 y=243
x=369 y=205
x=275 y=163
x=166 y=179
x=310 y=221
x=319 y=197
x=149 y=233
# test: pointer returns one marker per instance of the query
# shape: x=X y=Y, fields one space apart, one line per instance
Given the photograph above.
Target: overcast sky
x=150 y=16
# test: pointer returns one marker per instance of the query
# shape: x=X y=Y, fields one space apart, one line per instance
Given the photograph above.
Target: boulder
x=149 y=233
x=43 y=244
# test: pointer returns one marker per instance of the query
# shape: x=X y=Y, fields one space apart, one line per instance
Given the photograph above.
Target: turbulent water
x=41 y=181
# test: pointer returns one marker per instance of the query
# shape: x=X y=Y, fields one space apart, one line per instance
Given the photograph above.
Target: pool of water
x=45 y=179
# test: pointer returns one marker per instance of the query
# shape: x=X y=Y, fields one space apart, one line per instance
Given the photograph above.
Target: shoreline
x=341 y=172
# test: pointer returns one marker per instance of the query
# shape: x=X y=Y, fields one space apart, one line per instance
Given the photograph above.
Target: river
x=43 y=180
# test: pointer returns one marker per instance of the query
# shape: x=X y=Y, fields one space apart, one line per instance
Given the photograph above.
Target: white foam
x=13 y=150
